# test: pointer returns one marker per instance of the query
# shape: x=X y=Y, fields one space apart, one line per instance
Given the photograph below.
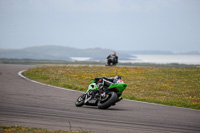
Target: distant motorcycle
x=103 y=99
x=111 y=62
x=112 y=59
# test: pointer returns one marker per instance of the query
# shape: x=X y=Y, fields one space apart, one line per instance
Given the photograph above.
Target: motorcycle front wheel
x=80 y=101
x=110 y=100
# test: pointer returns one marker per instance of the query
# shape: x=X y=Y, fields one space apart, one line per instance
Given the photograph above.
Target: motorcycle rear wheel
x=110 y=101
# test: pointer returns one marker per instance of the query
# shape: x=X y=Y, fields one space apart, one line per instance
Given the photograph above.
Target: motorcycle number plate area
x=92 y=87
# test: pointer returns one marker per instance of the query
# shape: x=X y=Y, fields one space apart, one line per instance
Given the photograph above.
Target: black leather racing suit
x=113 y=57
x=103 y=81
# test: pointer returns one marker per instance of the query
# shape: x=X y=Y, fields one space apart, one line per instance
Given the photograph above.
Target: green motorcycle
x=103 y=98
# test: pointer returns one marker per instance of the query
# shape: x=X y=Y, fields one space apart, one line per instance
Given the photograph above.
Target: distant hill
x=58 y=53
x=66 y=53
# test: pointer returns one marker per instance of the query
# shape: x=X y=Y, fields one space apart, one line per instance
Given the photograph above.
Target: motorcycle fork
x=87 y=98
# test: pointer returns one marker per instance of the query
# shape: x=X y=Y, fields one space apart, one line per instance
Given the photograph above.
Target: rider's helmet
x=114 y=53
x=116 y=78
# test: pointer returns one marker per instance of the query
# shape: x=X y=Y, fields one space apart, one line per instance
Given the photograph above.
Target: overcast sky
x=114 y=24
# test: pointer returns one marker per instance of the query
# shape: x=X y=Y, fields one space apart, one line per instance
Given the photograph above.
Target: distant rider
x=112 y=58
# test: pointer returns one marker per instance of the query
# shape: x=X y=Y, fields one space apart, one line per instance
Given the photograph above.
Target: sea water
x=157 y=59
x=165 y=59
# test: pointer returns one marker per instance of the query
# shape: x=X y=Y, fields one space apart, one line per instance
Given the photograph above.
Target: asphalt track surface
x=26 y=103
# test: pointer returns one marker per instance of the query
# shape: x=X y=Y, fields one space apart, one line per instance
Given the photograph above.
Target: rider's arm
x=109 y=79
x=97 y=79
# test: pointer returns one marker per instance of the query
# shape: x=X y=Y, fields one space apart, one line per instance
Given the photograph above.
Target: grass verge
x=176 y=86
x=20 y=129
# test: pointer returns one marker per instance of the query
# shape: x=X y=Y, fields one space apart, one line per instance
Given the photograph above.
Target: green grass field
x=19 y=129
x=176 y=86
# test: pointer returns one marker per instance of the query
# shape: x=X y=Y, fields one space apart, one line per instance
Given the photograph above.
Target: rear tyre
x=111 y=100
x=80 y=101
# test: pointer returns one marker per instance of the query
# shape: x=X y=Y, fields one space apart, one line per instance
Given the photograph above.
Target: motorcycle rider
x=103 y=82
x=113 y=57
x=106 y=82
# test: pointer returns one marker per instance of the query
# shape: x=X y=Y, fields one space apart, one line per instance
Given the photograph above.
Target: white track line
x=20 y=74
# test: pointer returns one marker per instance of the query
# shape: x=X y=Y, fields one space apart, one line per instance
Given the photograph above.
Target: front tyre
x=106 y=103
x=80 y=101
